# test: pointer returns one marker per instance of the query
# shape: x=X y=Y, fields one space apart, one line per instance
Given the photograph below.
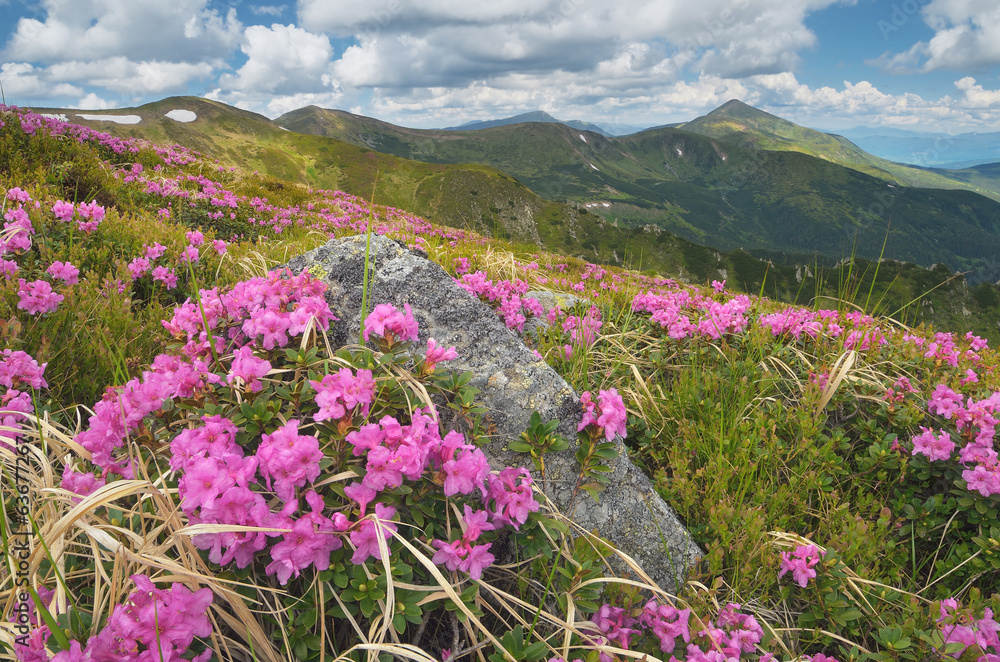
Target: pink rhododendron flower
x=220 y=246
x=138 y=267
x=18 y=195
x=388 y=322
x=8 y=268
x=64 y=271
x=37 y=297
x=288 y=459
x=248 y=368
x=63 y=210
x=155 y=251
x=17 y=368
x=934 y=447
x=189 y=255
x=341 y=393
x=801 y=563
x=195 y=238
x=607 y=414
x=365 y=537
x=436 y=354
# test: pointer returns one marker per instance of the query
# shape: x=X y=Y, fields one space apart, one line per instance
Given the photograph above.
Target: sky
x=924 y=65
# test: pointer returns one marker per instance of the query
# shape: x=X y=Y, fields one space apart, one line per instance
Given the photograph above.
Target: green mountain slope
x=737 y=123
x=710 y=191
x=703 y=175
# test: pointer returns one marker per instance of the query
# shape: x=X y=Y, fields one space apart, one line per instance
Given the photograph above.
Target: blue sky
x=929 y=65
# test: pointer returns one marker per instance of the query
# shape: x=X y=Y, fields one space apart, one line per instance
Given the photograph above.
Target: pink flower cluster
x=341 y=394
x=37 y=297
x=461 y=554
x=18 y=372
x=436 y=354
x=387 y=322
x=731 y=635
x=608 y=414
x=153 y=625
x=263 y=312
x=976 y=422
x=684 y=314
x=960 y=627
x=505 y=296
x=801 y=563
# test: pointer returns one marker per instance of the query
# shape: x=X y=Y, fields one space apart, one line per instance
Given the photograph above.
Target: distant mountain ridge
x=938 y=150
x=738 y=123
x=586 y=194
x=755 y=181
x=612 y=129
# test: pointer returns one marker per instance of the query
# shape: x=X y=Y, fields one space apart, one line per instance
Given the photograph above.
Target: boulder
x=512 y=383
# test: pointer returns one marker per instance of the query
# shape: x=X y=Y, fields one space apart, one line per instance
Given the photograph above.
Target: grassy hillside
x=191 y=472
x=739 y=124
x=707 y=191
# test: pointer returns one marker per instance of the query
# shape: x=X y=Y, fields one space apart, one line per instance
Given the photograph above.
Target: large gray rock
x=513 y=384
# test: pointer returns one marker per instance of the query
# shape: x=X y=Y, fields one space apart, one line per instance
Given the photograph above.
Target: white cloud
x=126 y=77
x=178 y=30
x=268 y=10
x=439 y=43
x=976 y=96
x=22 y=82
x=966 y=35
x=283 y=59
x=94 y=102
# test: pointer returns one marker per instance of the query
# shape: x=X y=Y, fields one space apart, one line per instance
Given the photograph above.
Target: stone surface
x=512 y=383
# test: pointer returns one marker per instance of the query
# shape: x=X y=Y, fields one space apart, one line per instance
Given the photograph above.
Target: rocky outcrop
x=512 y=383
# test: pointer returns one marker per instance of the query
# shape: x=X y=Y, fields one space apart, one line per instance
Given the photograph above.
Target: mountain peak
x=736 y=109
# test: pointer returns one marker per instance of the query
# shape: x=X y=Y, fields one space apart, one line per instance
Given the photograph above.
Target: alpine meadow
x=196 y=468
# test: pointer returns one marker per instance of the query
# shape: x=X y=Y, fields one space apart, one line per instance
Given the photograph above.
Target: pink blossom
x=288 y=459
x=18 y=367
x=365 y=538
x=341 y=393
x=155 y=251
x=195 y=238
x=166 y=276
x=65 y=271
x=466 y=472
x=944 y=401
x=248 y=368
x=37 y=297
x=18 y=195
x=138 y=267
x=63 y=210
x=934 y=447
x=189 y=255
x=388 y=322
x=608 y=414
x=800 y=563
x=8 y=268
x=220 y=246
x=436 y=354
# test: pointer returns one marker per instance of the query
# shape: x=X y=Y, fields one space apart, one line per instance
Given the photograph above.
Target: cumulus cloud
x=126 y=77
x=437 y=43
x=23 y=82
x=94 y=102
x=179 y=30
x=282 y=59
x=287 y=67
x=976 y=96
x=966 y=35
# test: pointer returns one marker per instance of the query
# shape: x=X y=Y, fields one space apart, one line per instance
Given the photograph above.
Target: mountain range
x=938 y=150
x=737 y=178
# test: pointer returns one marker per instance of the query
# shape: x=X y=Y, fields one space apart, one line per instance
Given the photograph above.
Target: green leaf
x=57 y=633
